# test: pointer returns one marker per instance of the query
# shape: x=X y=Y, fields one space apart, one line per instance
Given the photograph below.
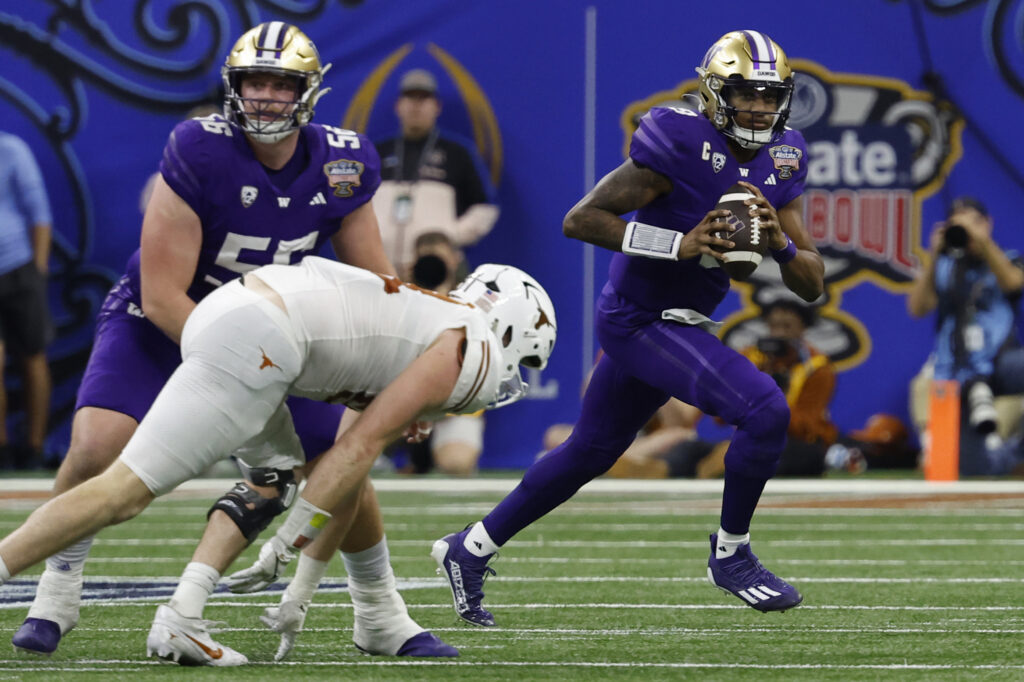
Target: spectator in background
x=429 y=183
x=25 y=326
x=807 y=377
x=975 y=287
x=456 y=441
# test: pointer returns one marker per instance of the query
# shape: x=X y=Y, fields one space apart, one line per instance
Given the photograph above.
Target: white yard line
x=869 y=487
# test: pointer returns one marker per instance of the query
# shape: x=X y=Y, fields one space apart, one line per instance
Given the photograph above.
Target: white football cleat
x=186 y=641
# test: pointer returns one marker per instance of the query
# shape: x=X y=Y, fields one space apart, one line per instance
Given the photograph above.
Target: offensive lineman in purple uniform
x=263 y=185
x=653 y=316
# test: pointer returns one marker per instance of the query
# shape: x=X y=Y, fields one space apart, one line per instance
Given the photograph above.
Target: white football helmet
x=283 y=50
x=520 y=315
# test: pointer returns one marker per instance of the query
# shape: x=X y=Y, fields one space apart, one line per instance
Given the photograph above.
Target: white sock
x=195 y=587
x=5 y=575
x=478 y=542
x=370 y=564
x=382 y=623
x=59 y=593
x=728 y=543
x=71 y=560
x=308 y=574
x=58 y=597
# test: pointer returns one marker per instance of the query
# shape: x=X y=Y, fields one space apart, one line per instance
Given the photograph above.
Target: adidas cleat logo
x=758 y=594
x=318 y=200
x=460 y=591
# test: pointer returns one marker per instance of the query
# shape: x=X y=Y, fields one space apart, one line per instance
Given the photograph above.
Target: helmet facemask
x=730 y=97
x=745 y=62
x=278 y=50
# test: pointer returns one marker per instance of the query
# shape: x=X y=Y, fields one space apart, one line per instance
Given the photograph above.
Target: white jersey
x=356 y=331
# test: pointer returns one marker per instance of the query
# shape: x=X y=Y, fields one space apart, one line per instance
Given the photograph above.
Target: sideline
x=31 y=487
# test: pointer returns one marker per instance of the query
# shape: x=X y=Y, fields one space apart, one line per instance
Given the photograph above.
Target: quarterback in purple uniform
x=260 y=185
x=654 y=314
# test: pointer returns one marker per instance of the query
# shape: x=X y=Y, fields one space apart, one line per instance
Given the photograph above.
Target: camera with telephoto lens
x=774 y=346
x=955 y=239
x=429 y=271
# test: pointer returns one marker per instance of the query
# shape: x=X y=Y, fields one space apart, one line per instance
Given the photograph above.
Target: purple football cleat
x=743 y=576
x=37 y=636
x=465 y=573
x=427 y=645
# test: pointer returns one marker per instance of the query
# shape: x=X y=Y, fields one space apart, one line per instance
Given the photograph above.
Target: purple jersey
x=683 y=146
x=247 y=220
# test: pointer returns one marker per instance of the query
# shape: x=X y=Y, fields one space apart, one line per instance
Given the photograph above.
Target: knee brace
x=252 y=512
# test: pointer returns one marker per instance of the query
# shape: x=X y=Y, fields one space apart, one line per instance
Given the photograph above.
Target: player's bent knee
x=251 y=511
x=85 y=463
x=593 y=458
x=768 y=419
x=128 y=496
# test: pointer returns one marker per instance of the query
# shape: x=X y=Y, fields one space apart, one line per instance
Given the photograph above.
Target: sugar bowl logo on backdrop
x=876 y=149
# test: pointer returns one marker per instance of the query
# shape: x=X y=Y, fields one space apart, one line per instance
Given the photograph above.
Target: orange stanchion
x=942 y=461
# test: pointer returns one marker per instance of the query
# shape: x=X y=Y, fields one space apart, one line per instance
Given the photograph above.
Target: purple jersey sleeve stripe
x=653 y=132
x=177 y=173
x=650 y=145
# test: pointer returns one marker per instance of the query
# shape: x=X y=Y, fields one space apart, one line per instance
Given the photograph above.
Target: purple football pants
x=646 y=360
x=132 y=359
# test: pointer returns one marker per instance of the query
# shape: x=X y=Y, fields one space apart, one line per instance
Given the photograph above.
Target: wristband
x=786 y=254
x=650 y=241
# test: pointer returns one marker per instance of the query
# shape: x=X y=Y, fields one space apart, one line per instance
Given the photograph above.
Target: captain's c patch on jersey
x=343 y=175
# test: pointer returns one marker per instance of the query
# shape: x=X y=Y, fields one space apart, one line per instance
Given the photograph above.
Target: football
x=744 y=231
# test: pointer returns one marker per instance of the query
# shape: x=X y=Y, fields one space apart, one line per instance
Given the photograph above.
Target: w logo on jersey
x=343 y=175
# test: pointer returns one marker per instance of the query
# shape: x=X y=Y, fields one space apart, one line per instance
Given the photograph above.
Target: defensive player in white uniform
x=321 y=330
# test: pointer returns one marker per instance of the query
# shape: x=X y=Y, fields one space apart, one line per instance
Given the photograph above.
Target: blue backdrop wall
x=905 y=103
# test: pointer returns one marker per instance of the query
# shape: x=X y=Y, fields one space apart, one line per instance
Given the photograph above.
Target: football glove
x=274 y=556
x=286 y=620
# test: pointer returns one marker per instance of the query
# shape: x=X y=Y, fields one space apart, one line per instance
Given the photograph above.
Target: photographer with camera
x=430 y=181
x=975 y=288
x=456 y=441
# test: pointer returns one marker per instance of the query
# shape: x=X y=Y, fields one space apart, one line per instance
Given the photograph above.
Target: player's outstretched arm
x=595 y=218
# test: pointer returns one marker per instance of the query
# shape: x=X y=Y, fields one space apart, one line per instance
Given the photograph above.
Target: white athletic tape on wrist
x=650 y=241
x=303 y=524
